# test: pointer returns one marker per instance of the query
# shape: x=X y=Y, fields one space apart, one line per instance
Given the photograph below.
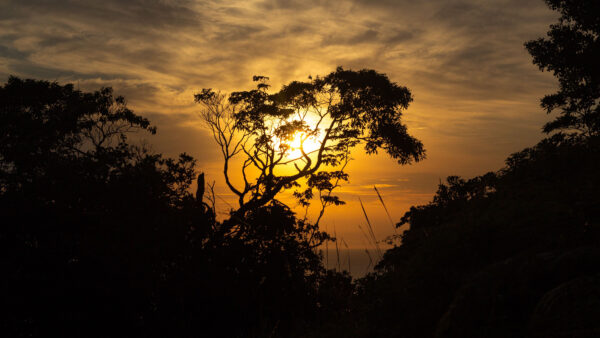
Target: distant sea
x=355 y=261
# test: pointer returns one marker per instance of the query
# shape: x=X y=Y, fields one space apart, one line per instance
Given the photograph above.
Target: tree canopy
x=335 y=113
x=571 y=51
x=44 y=124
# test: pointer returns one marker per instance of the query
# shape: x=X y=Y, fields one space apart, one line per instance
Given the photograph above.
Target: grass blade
x=337 y=249
x=371 y=229
x=348 y=251
x=386 y=209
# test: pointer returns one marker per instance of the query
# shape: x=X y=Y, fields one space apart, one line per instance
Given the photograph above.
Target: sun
x=296 y=144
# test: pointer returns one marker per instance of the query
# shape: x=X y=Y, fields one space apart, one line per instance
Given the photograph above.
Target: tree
x=43 y=125
x=92 y=227
x=291 y=135
x=571 y=51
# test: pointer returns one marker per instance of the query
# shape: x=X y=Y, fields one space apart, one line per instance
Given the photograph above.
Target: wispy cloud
x=476 y=92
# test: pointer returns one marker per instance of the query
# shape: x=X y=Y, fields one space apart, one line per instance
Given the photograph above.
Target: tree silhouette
x=100 y=237
x=44 y=124
x=92 y=226
x=571 y=51
x=335 y=113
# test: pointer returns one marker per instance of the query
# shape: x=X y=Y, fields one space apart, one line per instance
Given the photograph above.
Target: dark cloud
x=231 y=33
x=136 y=93
x=294 y=4
x=29 y=70
x=400 y=36
x=345 y=38
x=11 y=53
x=148 y=14
x=386 y=4
x=95 y=39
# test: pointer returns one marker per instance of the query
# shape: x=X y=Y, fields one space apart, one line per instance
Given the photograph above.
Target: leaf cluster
x=571 y=51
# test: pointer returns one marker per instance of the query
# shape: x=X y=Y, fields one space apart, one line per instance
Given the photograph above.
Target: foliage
x=335 y=112
x=266 y=276
x=479 y=258
x=103 y=238
x=571 y=51
x=42 y=122
x=83 y=210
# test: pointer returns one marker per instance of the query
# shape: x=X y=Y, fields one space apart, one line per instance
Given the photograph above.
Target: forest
x=102 y=237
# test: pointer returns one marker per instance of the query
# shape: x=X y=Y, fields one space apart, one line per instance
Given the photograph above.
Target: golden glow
x=301 y=142
x=468 y=117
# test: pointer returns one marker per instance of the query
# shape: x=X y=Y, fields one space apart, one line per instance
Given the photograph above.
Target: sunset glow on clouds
x=476 y=93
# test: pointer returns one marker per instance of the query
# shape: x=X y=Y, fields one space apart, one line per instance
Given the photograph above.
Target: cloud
x=145 y=14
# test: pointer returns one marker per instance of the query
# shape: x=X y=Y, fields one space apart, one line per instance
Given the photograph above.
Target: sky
x=476 y=92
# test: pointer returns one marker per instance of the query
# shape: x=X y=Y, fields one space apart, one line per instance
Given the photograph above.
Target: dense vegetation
x=103 y=238
x=512 y=253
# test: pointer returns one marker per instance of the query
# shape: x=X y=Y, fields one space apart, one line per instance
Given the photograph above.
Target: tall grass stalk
x=337 y=249
x=370 y=260
x=385 y=208
x=371 y=229
x=326 y=250
x=366 y=236
x=348 y=252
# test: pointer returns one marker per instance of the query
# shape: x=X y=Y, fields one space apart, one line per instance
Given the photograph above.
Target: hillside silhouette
x=513 y=253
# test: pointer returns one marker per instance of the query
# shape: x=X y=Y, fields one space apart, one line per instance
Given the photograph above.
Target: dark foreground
x=104 y=239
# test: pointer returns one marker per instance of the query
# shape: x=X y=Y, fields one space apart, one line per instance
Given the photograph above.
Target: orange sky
x=476 y=92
